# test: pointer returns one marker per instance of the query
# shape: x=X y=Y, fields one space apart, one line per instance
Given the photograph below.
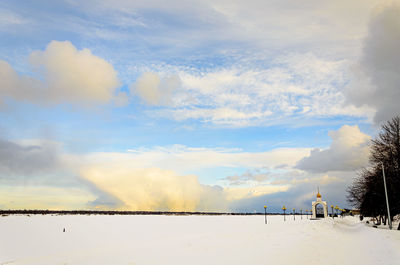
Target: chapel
x=316 y=203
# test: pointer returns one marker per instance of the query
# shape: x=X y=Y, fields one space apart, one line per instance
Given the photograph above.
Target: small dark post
x=307 y=213
x=301 y=214
x=332 y=212
x=294 y=215
x=265 y=214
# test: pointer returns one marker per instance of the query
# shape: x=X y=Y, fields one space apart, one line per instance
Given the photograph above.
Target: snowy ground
x=185 y=240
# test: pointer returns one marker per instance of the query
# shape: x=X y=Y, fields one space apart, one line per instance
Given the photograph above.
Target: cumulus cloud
x=155 y=91
x=64 y=74
x=349 y=151
x=377 y=82
x=133 y=179
x=154 y=189
x=130 y=180
x=160 y=189
x=162 y=178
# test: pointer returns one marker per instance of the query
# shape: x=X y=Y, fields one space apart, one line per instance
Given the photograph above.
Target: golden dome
x=318 y=195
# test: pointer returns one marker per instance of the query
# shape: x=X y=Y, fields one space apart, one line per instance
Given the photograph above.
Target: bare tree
x=367 y=191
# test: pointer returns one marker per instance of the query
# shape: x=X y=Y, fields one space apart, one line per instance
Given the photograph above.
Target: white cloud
x=220 y=116
x=78 y=75
x=154 y=189
x=349 y=151
x=300 y=86
x=159 y=178
x=146 y=179
x=155 y=91
x=377 y=76
x=158 y=189
x=130 y=177
x=66 y=75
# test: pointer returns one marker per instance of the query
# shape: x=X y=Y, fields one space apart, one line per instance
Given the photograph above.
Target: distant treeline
x=89 y=212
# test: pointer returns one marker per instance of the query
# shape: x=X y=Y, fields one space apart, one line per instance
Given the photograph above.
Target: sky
x=191 y=105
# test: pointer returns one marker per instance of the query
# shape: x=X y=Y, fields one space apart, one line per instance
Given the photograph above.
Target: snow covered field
x=177 y=240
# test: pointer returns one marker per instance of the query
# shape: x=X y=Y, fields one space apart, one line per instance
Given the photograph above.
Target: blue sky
x=195 y=105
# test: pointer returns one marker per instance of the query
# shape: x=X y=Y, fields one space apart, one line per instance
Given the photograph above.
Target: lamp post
x=301 y=214
x=386 y=195
x=265 y=215
x=332 y=212
x=307 y=213
x=294 y=215
x=284 y=213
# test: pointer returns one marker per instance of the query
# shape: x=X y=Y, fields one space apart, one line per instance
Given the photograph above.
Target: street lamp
x=332 y=212
x=386 y=195
x=301 y=214
x=294 y=215
x=284 y=213
x=307 y=213
x=265 y=215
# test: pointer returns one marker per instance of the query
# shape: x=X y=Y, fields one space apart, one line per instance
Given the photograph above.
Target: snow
x=143 y=240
